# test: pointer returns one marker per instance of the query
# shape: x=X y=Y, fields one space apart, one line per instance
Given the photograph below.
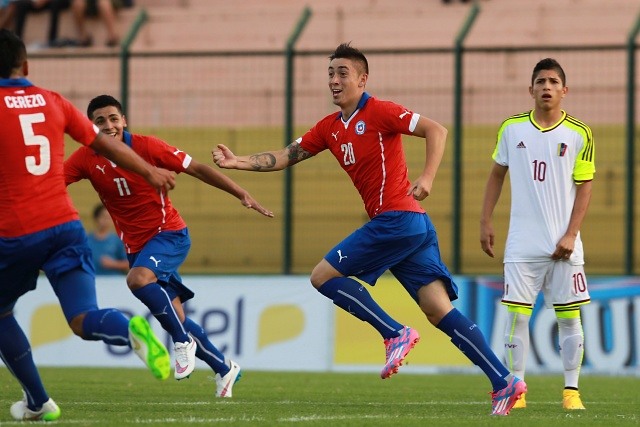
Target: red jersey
x=33 y=122
x=368 y=146
x=138 y=210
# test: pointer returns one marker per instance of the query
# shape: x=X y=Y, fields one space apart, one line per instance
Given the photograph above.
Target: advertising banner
x=611 y=325
x=263 y=323
x=283 y=323
x=358 y=346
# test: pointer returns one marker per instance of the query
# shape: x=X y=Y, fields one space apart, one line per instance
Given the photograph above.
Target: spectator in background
x=7 y=13
x=109 y=256
x=105 y=10
x=21 y=8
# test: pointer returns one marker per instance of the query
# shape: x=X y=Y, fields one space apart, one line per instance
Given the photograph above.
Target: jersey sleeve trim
x=584 y=168
x=414 y=122
x=187 y=161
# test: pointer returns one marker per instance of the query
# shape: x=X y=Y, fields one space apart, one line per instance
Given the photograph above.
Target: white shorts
x=562 y=284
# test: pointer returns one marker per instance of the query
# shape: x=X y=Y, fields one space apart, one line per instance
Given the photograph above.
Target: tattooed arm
x=260 y=162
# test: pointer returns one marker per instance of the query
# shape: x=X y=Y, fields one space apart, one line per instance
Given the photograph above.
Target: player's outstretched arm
x=210 y=176
x=125 y=157
x=267 y=161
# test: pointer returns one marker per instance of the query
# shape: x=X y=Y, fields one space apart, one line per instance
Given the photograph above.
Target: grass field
x=118 y=397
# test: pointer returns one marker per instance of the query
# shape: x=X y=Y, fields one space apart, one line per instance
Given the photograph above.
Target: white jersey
x=545 y=167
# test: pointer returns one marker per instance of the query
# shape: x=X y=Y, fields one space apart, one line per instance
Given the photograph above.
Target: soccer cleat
x=397 y=350
x=185 y=358
x=521 y=402
x=224 y=385
x=21 y=412
x=571 y=400
x=148 y=348
x=503 y=400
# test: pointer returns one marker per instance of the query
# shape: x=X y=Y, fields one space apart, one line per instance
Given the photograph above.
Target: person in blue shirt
x=108 y=252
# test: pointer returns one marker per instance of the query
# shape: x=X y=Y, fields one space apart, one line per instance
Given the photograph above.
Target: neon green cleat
x=149 y=348
x=49 y=411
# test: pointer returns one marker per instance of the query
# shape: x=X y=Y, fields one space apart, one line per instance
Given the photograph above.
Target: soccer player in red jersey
x=155 y=235
x=40 y=229
x=365 y=138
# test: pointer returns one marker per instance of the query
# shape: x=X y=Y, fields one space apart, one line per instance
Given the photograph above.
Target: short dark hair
x=102 y=101
x=346 y=51
x=549 y=64
x=97 y=210
x=13 y=53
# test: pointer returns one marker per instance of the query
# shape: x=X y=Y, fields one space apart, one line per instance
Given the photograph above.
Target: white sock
x=571 y=338
x=516 y=342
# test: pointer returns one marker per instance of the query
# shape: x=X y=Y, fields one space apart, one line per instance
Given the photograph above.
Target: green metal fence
x=253 y=101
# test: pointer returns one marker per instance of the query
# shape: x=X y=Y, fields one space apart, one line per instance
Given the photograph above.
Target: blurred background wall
x=203 y=72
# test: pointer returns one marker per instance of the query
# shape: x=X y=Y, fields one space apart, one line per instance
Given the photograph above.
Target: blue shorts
x=64 y=256
x=163 y=255
x=405 y=243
